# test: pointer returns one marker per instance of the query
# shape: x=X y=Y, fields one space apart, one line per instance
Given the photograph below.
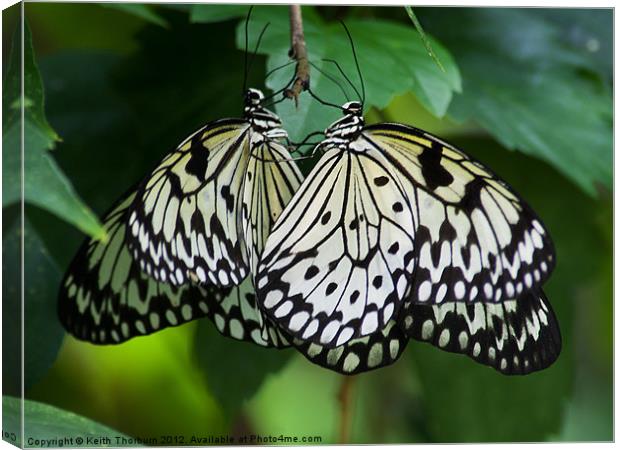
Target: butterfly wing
x=335 y=265
x=516 y=336
x=184 y=222
x=376 y=350
x=105 y=298
x=237 y=315
x=475 y=238
x=272 y=179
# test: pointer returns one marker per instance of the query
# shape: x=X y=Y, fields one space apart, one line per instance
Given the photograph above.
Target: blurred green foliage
x=537 y=81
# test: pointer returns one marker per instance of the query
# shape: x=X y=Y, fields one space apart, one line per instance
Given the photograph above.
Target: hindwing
x=376 y=350
x=516 y=336
x=105 y=298
x=237 y=315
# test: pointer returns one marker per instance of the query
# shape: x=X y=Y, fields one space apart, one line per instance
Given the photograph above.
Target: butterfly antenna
x=330 y=77
x=279 y=91
x=307 y=138
x=333 y=61
x=260 y=37
x=357 y=64
x=245 y=53
x=272 y=71
x=321 y=101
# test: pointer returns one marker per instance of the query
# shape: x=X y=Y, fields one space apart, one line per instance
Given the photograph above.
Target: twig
x=425 y=41
x=345 y=397
x=299 y=53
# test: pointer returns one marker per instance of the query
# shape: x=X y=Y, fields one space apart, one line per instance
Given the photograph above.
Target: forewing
x=105 y=298
x=515 y=337
x=476 y=239
x=271 y=180
x=184 y=222
x=335 y=265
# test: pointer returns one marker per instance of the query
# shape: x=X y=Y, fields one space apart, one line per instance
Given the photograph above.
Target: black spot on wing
x=198 y=161
x=435 y=175
x=228 y=197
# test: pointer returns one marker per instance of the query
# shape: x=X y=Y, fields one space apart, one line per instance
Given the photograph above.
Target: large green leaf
x=48 y=426
x=234 y=370
x=530 y=88
x=45 y=185
x=382 y=46
x=42 y=331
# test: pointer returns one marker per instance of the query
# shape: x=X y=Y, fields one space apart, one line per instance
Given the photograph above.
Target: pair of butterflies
x=393 y=235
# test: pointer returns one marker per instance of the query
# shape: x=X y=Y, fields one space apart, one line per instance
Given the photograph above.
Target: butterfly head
x=344 y=130
x=253 y=98
x=352 y=109
x=261 y=119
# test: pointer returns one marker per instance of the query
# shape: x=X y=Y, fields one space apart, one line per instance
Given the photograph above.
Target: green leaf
x=48 y=423
x=216 y=13
x=45 y=184
x=139 y=10
x=588 y=32
x=530 y=90
x=235 y=370
x=427 y=44
x=42 y=332
x=383 y=47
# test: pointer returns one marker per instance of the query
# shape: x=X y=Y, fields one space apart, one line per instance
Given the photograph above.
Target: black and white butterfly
x=201 y=218
x=387 y=210
x=204 y=213
x=393 y=216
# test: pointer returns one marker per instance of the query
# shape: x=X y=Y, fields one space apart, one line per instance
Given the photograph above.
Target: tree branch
x=345 y=398
x=299 y=53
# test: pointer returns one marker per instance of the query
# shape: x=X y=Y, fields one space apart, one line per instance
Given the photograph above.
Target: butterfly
x=389 y=209
x=205 y=211
x=226 y=183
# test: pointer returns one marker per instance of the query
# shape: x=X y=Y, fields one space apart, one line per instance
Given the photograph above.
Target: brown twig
x=299 y=53
x=345 y=397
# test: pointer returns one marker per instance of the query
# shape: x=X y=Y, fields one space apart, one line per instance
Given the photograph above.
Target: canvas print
x=306 y=225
